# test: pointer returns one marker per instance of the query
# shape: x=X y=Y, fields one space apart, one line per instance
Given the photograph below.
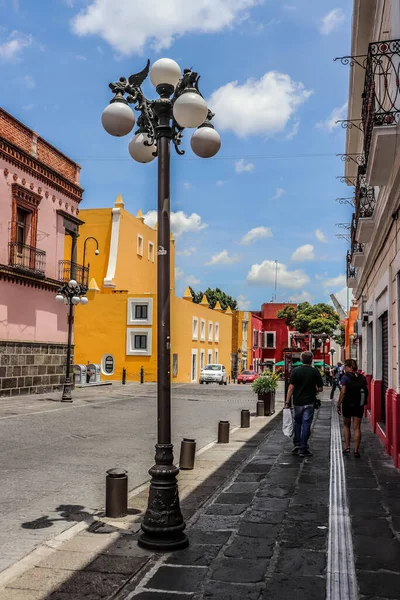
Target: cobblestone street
x=262 y=524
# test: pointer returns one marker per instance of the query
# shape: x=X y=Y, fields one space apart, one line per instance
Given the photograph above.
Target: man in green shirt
x=305 y=381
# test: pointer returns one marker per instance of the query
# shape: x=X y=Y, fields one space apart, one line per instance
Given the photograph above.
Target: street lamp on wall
x=179 y=105
x=97 y=251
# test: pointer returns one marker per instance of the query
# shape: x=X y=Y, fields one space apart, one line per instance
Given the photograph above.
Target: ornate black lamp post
x=180 y=105
x=322 y=339
x=332 y=351
x=71 y=293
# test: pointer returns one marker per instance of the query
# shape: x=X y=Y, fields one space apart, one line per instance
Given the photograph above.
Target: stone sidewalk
x=258 y=522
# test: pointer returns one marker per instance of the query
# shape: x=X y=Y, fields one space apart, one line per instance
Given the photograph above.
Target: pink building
x=256 y=328
x=39 y=200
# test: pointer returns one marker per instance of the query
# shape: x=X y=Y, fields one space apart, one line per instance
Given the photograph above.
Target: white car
x=214 y=374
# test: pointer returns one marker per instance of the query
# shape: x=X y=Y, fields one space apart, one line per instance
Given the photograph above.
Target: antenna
x=276 y=281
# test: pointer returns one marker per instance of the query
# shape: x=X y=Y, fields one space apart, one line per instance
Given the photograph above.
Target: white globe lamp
x=59 y=298
x=118 y=119
x=97 y=252
x=205 y=142
x=72 y=283
x=75 y=300
x=84 y=300
x=165 y=70
x=190 y=109
x=138 y=149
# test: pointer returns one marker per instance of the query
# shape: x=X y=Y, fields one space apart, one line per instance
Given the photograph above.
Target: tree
x=339 y=336
x=315 y=319
x=214 y=296
x=287 y=314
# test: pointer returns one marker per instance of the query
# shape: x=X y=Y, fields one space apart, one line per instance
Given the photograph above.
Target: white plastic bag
x=287 y=425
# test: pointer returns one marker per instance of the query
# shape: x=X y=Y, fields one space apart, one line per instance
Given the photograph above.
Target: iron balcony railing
x=381 y=96
x=351 y=271
x=26 y=258
x=364 y=197
x=68 y=270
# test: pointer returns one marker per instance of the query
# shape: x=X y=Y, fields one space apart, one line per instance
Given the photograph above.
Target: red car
x=247 y=377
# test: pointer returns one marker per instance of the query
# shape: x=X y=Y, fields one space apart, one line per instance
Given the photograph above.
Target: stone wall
x=31 y=368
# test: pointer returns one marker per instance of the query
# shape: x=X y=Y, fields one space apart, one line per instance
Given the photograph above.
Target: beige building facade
x=373 y=169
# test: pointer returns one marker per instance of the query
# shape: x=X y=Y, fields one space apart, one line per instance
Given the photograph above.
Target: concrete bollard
x=245 y=418
x=123 y=376
x=223 y=432
x=188 y=451
x=260 y=408
x=116 y=493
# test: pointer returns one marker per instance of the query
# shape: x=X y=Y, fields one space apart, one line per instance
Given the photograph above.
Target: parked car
x=247 y=377
x=214 y=374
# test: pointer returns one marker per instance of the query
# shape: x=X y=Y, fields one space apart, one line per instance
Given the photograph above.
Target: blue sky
x=267 y=70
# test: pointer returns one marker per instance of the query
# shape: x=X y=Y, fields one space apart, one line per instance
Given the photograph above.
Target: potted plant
x=265 y=387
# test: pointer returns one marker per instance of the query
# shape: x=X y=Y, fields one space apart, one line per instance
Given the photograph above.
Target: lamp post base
x=163 y=525
x=67 y=391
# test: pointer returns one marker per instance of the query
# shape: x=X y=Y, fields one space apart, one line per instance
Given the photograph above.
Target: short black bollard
x=223 y=432
x=188 y=451
x=116 y=493
x=123 y=376
x=260 y=408
x=141 y=375
x=245 y=418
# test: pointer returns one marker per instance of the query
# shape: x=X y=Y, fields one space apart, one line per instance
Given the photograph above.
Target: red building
x=274 y=336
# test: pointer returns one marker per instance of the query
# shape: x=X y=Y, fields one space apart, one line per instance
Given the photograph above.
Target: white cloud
x=180 y=222
x=243 y=302
x=320 y=236
x=338 y=114
x=270 y=102
x=303 y=253
x=27 y=81
x=223 y=258
x=219 y=182
x=178 y=273
x=186 y=185
x=80 y=57
x=279 y=192
x=192 y=280
x=264 y=274
x=257 y=233
x=135 y=25
x=335 y=282
x=12 y=48
x=187 y=251
x=332 y=21
x=302 y=297
x=241 y=166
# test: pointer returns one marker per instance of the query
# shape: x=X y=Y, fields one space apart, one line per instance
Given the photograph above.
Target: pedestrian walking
x=337 y=375
x=351 y=403
x=304 y=384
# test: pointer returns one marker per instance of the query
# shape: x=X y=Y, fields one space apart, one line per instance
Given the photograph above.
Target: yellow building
x=118 y=328
x=241 y=340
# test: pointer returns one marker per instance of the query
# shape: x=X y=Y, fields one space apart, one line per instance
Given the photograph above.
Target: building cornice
x=42 y=172
x=27 y=279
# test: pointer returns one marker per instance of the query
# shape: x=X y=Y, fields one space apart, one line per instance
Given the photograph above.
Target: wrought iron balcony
x=68 y=270
x=381 y=96
x=351 y=272
x=365 y=206
x=357 y=254
x=27 y=259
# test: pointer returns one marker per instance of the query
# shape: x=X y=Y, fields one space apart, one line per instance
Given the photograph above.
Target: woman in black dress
x=351 y=403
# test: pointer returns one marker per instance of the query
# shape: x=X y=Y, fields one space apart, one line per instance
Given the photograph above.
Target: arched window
x=107 y=364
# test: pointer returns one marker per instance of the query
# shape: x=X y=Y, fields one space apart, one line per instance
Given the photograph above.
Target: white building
x=373 y=168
